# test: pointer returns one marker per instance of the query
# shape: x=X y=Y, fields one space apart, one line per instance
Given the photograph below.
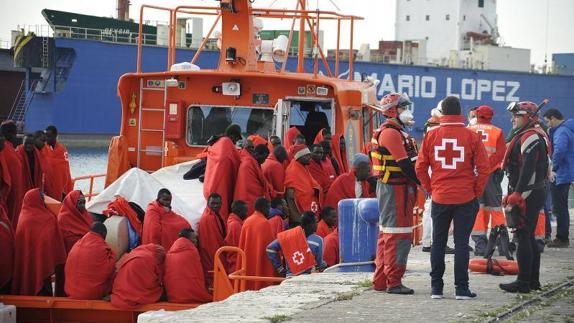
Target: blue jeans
x=560 y=210
x=463 y=216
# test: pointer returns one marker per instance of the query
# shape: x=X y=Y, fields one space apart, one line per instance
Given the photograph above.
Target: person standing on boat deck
x=32 y=168
x=393 y=157
x=73 y=219
x=318 y=171
x=212 y=231
x=273 y=169
x=278 y=215
x=139 y=277
x=222 y=166
x=302 y=192
x=256 y=234
x=183 y=280
x=526 y=162
x=17 y=187
x=56 y=157
x=161 y=225
x=339 y=151
x=459 y=170
x=490 y=210
x=6 y=229
x=39 y=248
x=275 y=141
x=251 y=183
x=90 y=266
x=234 y=223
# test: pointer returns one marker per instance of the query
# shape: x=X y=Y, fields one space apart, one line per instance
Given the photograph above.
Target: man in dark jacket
x=562 y=136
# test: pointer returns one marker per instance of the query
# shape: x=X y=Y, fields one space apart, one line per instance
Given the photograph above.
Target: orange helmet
x=392 y=101
x=528 y=110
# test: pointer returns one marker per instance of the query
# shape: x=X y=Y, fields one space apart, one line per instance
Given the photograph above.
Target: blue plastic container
x=358 y=233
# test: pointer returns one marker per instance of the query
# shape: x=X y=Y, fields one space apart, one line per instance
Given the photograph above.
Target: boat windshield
x=206 y=121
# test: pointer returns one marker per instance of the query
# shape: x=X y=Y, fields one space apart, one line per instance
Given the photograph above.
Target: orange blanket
x=307 y=190
x=221 y=172
x=234 y=224
x=17 y=187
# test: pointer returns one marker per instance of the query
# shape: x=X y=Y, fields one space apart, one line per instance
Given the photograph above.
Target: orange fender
x=118 y=162
x=499 y=266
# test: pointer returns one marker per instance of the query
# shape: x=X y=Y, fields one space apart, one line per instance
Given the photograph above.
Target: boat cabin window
x=206 y=121
x=310 y=117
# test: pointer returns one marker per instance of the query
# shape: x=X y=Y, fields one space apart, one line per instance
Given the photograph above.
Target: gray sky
x=522 y=23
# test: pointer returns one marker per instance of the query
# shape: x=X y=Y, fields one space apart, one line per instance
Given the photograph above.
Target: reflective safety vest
x=489 y=136
x=384 y=164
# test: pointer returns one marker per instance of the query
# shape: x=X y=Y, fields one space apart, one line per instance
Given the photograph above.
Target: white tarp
x=140 y=187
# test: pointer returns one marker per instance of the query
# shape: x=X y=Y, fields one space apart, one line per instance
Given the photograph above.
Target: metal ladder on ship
x=149 y=150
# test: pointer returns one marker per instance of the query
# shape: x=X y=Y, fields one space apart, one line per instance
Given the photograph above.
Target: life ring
x=499 y=266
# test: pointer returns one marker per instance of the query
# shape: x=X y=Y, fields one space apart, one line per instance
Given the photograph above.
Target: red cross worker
x=459 y=170
x=394 y=153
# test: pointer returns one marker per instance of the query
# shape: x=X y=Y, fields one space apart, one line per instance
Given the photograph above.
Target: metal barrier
x=225 y=285
x=91 y=178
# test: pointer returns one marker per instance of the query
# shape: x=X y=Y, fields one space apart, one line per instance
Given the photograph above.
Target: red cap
x=484 y=112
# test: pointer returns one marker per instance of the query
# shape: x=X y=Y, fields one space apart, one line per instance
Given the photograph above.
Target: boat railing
x=107 y=35
x=91 y=179
x=224 y=284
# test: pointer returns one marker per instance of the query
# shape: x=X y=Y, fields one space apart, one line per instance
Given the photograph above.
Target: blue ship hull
x=87 y=103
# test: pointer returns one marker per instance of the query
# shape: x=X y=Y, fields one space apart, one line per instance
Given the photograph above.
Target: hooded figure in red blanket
x=32 y=168
x=183 y=280
x=318 y=170
x=74 y=220
x=221 y=168
x=162 y=225
x=251 y=183
x=234 y=223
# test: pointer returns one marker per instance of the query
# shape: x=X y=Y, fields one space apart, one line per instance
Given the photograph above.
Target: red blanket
x=323 y=229
x=274 y=172
x=340 y=156
x=6 y=248
x=58 y=179
x=256 y=235
x=296 y=251
x=90 y=268
x=39 y=246
x=277 y=225
x=184 y=281
x=321 y=175
x=307 y=190
x=161 y=226
x=344 y=188
x=251 y=183
x=290 y=137
x=17 y=187
x=73 y=223
x=31 y=180
x=331 y=253
x=139 y=278
x=211 y=232
x=120 y=206
x=234 y=224
x=221 y=172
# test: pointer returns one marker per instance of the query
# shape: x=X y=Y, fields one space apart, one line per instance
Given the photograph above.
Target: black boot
x=401 y=289
x=535 y=285
x=516 y=286
x=504 y=244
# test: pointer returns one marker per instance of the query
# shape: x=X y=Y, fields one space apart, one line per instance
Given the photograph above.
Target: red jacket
x=453 y=152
